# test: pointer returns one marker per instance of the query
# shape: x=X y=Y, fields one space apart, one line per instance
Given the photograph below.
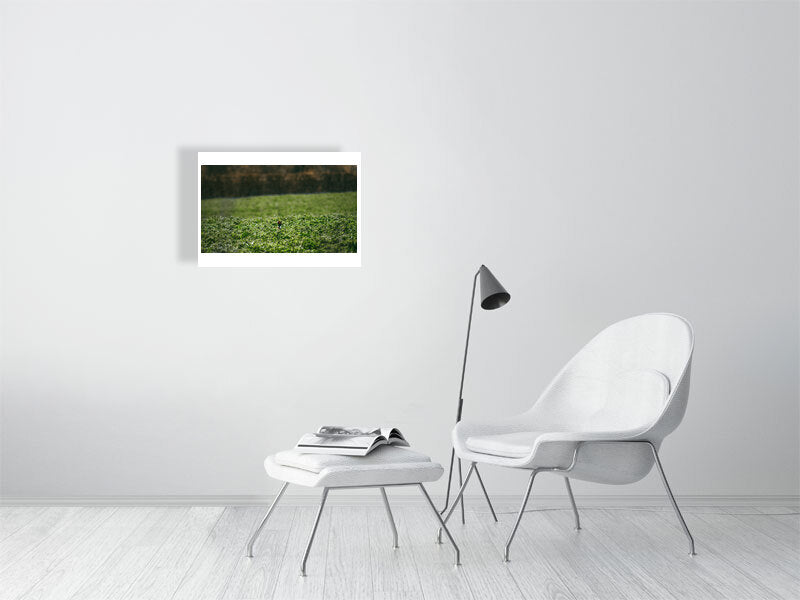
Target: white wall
x=604 y=160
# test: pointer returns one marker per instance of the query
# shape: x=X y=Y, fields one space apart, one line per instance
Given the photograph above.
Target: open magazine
x=349 y=441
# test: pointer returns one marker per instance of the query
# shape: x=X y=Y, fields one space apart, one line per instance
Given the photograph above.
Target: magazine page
x=342 y=430
x=349 y=441
x=392 y=434
x=356 y=442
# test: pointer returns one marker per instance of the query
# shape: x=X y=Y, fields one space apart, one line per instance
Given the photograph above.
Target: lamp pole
x=458 y=417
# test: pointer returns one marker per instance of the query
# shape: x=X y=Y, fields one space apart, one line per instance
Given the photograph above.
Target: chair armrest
x=558 y=449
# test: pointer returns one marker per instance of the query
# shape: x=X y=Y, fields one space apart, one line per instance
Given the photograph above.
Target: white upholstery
x=509 y=445
x=631 y=382
x=385 y=465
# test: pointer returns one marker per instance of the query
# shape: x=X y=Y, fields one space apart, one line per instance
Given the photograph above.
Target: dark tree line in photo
x=239 y=181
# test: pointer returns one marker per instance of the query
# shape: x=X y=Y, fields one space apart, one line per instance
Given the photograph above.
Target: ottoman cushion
x=386 y=465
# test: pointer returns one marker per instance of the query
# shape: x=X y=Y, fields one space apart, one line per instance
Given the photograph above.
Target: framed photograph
x=279 y=209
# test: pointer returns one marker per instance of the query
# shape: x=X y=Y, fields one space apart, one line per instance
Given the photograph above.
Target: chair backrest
x=632 y=375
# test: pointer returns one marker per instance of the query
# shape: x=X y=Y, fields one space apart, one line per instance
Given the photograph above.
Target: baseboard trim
x=362 y=499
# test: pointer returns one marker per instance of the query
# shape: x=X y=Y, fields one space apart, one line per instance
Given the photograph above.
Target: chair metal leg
x=574 y=507
x=442 y=523
x=485 y=495
x=391 y=518
x=519 y=516
x=455 y=502
x=672 y=500
x=461 y=482
x=313 y=531
x=257 y=532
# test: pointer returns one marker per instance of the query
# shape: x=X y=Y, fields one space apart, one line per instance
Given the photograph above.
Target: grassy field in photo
x=319 y=223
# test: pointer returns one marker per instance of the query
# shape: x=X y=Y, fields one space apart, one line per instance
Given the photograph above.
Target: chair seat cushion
x=387 y=465
x=509 y=445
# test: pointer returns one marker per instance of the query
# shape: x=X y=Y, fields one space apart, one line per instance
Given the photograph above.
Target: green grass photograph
x=272 y=209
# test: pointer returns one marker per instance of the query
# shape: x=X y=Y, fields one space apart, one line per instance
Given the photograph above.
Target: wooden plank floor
x=161 y=553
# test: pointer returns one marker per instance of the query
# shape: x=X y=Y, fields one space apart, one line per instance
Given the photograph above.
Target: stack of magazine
x=349 y=441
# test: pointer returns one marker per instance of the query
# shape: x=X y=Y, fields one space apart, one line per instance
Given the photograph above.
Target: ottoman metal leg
x=313 y=531
x=264 y=521
x=391 y=518
x=442 y=523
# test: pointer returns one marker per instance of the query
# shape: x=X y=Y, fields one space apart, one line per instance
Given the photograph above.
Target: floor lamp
x=493 y=295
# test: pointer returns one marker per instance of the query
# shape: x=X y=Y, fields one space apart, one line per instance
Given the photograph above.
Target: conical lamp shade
x=493 y=295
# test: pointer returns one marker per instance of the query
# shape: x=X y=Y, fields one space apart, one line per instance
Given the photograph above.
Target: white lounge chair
x=601 y=419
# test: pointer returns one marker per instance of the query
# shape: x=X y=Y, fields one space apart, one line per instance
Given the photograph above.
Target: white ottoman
x=383 y=467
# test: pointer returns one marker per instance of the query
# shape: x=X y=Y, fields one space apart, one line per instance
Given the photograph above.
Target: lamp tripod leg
x=461 y=483
x=485 y=494
x=455 y=502
x=442 y=525
x=519 y=516
x=449 y=481
x=574 y=506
